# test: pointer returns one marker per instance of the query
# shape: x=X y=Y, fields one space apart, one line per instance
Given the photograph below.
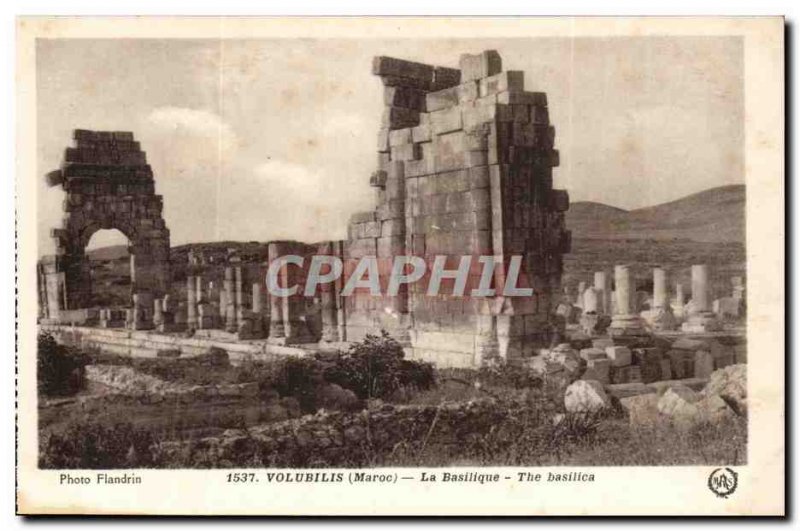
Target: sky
x=276 y=139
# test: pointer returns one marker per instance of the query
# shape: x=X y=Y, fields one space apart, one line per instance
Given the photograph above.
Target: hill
x=112 y=252
x=714 y=215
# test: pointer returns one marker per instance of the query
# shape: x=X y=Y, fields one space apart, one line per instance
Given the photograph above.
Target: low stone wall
x=147 y=344
x=128 y=380
x=343 y=439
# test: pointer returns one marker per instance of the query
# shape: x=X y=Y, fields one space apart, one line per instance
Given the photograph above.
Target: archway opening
x=108 y=260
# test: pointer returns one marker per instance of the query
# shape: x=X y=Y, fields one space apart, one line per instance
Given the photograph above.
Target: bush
x=59 y=369
x=94 y=446
x=296 y=377
x=503 y=374
x=376 y=368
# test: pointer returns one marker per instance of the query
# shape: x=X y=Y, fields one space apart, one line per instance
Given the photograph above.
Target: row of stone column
x=230 y=312
x=622 y=304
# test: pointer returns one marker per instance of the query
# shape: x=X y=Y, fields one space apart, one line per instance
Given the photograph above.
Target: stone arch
x=108 y=185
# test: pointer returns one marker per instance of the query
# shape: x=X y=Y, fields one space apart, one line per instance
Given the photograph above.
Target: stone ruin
x=108 y=185
x=617 y=310
x=465 y=162
x=465 y=167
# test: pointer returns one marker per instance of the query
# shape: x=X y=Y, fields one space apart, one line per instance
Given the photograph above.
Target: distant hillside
x=112 y=252
x=714 y=215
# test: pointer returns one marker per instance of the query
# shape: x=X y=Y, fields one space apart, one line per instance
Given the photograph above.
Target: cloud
x=194 y=120
x=344 y=123
x=281 y=172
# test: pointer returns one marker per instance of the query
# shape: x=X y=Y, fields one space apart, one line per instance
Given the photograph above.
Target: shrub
x=94 y=446
x=295 y=377
x=376 y=368
x=59 y=369
x=503 y=374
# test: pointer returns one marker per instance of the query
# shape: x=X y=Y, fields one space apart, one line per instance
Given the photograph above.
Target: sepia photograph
x=303 y=258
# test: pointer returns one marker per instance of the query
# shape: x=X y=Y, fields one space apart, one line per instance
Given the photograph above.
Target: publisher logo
x=723 y=482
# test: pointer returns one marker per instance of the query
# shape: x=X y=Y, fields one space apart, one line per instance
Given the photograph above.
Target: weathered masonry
x=465 y=162
x=108 y=185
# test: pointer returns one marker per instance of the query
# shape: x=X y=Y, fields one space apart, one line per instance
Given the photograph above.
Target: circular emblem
x=723 y=482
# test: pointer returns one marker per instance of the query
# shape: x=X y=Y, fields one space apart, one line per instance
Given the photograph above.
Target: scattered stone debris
x=586 y=395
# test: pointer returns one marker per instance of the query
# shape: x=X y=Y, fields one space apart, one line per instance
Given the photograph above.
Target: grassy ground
x=612 y=443
x=609 y=440
x=531 y=435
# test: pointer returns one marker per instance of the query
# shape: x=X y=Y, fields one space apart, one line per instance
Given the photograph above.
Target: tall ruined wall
x=108 y=185
x=465 y=162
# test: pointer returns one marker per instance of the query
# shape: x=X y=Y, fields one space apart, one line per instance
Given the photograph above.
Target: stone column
x=701 y=299
x=660 y=316
x=624 y=290
x=327 y=301
x=738 y=288
x=579 y=298
x=223 y=305
x=680 y=298
x=191 y=303
x=701 y=318
x=142 y=302
x=276 y=329
x=239 y=293
x=591 y=300
x=625 y=321
x=158 y=315
x=230 y=300
x=258 y=304
x=602 y=285
x=660 y=299
x=199 y=287
x=295 y=329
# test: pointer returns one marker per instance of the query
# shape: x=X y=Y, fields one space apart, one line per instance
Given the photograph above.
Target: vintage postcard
x=411 y=266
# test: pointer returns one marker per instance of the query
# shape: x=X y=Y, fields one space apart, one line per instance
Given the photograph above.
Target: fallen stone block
x=602 y=343
x=703 y=364
x=696 y=384
x=681 y=363
x=620 y=375
x=687 y=408
x=649 y=362
x=666 y=369
x=686 y=343
x=586 y=396
x=641 y=409
x=619 y=356
x=598 y=369
x=622 y=390
x=730 y=384
x=593 y=354
x=740 y=353
x=678 y=400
